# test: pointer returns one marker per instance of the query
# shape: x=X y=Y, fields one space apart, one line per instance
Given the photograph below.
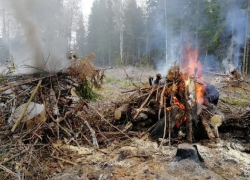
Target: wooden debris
x=216 y=121
x=65 y=160
x=208 y=129
x=26 y=107
x=122 y=111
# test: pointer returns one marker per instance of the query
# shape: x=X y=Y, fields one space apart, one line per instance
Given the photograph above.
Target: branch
x=92 y=131
x=26 y=107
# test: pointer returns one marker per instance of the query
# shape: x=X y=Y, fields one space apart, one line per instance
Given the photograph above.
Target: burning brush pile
x=178 y=106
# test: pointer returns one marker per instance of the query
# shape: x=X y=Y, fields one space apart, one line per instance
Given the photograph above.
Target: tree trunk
x=166 y=31
x=232 y=42
x=246 y=47
x=121 y=31
x=181 y=40
x=197 y=25
x=109 y=48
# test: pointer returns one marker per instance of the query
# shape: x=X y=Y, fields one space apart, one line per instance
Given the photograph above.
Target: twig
x=162 y=94
x=102 y=134
x=149 y=129
x=95 y=143
x=57 y=122
x=144 y=103
x=165 y=124
x=161 y=100
x=9 y=86
x=65 y=160
x=86 y=139
x=106 y=120
x=8 y=171
x=169 y=129
x=132 y=90
x=129 y=77
x=12 y=157
x=26 y=107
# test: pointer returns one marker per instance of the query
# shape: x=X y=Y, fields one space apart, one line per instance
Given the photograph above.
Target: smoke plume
x=44 y=43
x=23 y=11
x=192 y=19
x=236 y=24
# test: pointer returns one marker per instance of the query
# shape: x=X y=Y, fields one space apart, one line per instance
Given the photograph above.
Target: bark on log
x=208 y=129
x=144 y=114
x=187 y=114
x=121 y=112
x=189 y=128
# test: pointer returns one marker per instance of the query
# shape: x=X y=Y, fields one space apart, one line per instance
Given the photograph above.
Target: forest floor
x=140 y=158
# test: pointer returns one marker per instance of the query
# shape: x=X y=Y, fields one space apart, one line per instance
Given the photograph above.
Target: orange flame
x=190 y=61
x=168 y=108
x=177 y=103
x=191 y=66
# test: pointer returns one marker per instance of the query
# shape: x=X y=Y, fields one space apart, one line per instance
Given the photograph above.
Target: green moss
x=125 y=83
x=236 y=96
x=1 y=78
x=237 y=102
x=86 y=91
x=110 y=80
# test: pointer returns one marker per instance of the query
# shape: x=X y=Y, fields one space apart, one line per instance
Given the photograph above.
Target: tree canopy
x=132 y=33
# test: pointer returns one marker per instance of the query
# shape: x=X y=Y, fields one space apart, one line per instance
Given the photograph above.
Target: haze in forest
x=139 y=33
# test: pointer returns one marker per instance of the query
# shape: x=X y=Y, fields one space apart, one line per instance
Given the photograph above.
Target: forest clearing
x=121 y=135
x=130 y=89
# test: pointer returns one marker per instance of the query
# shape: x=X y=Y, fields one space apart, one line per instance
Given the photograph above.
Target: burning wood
x=188 y=98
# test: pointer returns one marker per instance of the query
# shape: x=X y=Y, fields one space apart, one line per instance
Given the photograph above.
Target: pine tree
x=133 y=33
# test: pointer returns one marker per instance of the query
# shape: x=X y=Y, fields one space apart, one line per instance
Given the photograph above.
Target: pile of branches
x=41 y=109
x=178 y=106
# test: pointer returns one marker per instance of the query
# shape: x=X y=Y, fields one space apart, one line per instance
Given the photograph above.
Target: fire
x=200 y=91
x=191 y=67
x=177 y=103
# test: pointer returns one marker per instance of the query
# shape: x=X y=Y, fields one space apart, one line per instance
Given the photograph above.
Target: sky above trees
x=86 y=7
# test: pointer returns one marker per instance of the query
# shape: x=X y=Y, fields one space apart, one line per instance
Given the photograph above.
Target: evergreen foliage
x=135 y=34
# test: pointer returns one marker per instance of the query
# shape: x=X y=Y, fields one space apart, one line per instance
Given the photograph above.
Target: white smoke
x=45 y=44
x=236 y=19
x=23 y=11
x=236 y=24
x=228 y=66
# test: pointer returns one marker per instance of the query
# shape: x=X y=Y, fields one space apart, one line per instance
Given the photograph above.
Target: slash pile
x=177 y=106
x=39 y=110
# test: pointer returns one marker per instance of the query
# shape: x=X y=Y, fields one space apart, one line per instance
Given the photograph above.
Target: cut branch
x=26 y=107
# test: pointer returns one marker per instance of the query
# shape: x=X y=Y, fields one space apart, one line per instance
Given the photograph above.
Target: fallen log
x=208 y=129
